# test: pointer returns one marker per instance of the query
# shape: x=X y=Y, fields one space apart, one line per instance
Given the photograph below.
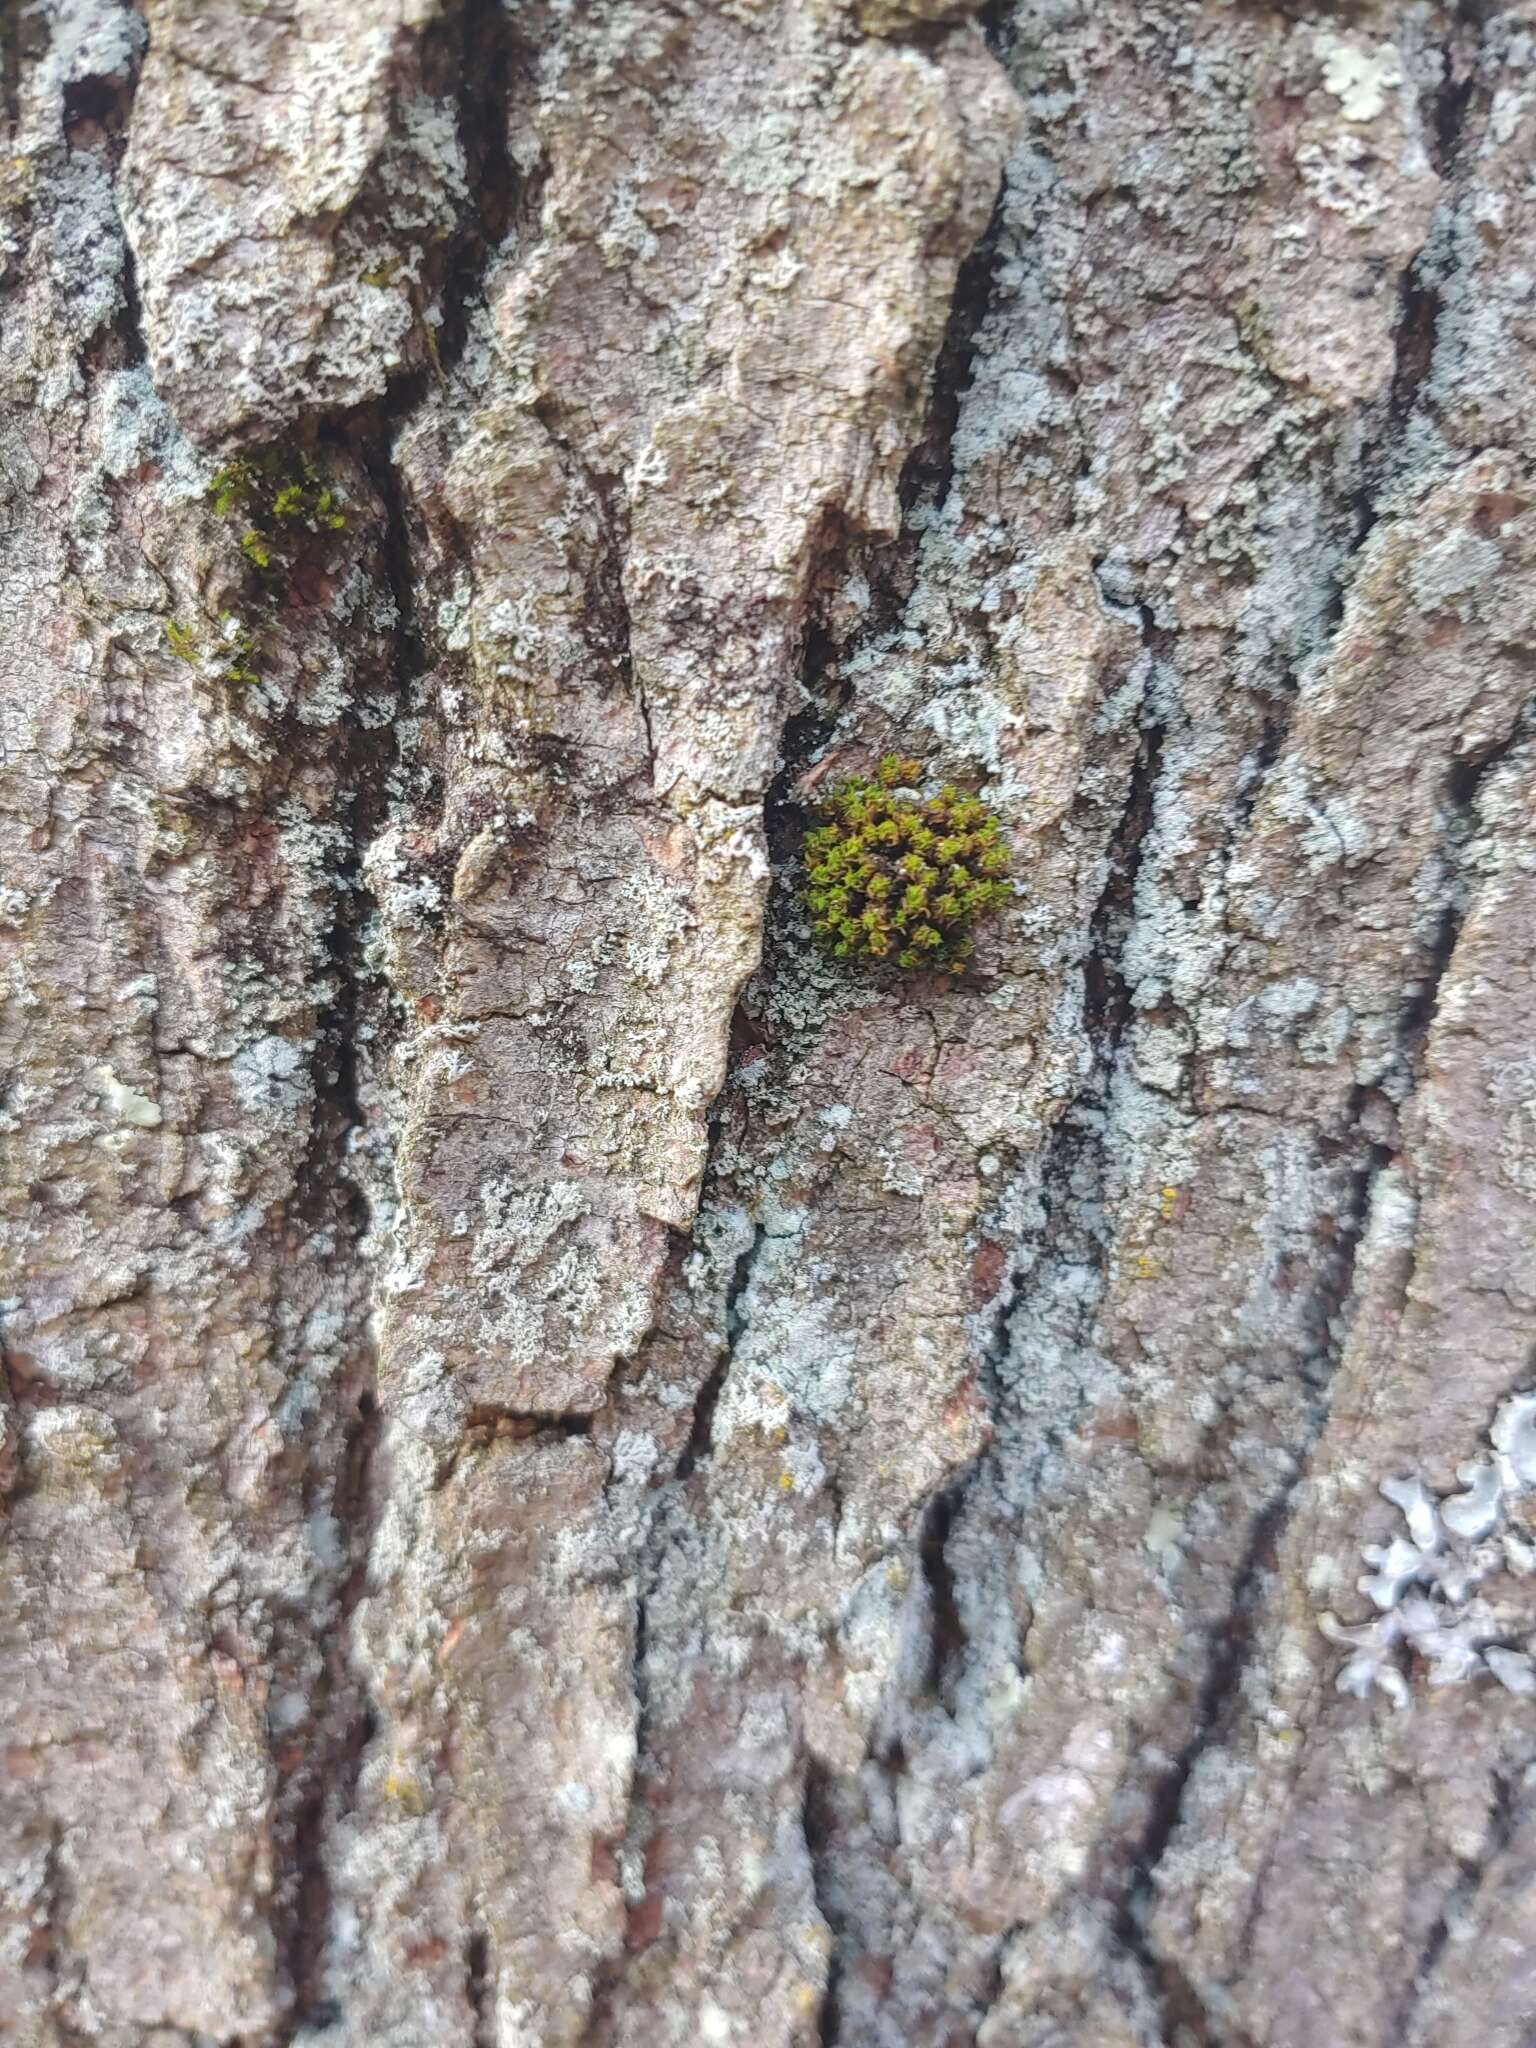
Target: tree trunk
x=575 y=1468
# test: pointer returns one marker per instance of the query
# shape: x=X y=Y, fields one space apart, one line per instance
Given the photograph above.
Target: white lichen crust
x=1431 y=1587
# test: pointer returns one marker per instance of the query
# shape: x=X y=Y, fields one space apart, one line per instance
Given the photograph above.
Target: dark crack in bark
x=55 y=1940
x=946 y=1626
x=476 y=1974
x=1421 y=287
x=818 y=1824
x=342 y=1721
x=701 y=1430
x=96 y=111
x=1332 y=1301
x=1471 y=1872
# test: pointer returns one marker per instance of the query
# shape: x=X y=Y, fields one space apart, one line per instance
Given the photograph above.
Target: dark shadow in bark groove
x=1106 y=1012
x=342 y=1721
x=1333 y=1295
x=946 y=1628
x=11 y=20
x=476 y=1965
x=344 y=1729
x=1472 y=1871
x=700 y=1435
x=818 y=1824
x=96 y=114
x=1176 y=1997
x=1459 y=826
x=929 y=470
x=1422 y=285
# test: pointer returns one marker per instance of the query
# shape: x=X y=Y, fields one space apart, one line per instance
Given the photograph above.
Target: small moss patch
x=278 y=495
x=280 y=502
x=895 y=876
x=229 y=652
x=183 y=641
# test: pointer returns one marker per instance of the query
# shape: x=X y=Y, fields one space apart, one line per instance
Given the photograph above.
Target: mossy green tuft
x=277 y=494
x=231 y=653
x=897 y=877
x=182 y=639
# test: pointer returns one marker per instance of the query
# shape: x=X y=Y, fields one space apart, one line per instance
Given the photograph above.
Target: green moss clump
x=278 y=495
x=239 y=652
x=231 y=651
x=183 y=641
x=895 y=876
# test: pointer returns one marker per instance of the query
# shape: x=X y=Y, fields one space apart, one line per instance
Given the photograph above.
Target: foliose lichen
x=893 y=875
x=1441 y=1590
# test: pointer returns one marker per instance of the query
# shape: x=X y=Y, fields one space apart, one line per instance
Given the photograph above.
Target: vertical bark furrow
x=568 y=914
x=184 y=1336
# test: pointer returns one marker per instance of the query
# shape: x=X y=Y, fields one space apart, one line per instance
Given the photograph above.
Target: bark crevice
x=329 y=1190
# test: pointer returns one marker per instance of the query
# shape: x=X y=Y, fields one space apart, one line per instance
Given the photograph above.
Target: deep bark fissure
x=96 y=112
x=609 y=1973
x=485 y=1424
x=342 y=1717
x=1469 y=1878
x=56 y=1910
x=928 y=472
x=487 y=66
x=1421 y=290
x=946 y=1626
x=10 y=67
x=476 y=1966
x=1332 y=1296
x=344 y=1726
x=13 y=1473
x=608 y=605
x=1459 y=828
x=1449 y=108
x=818 y=1825
x=701 y=1429
x=1076 y=1151
x=1465 y=778
x=1174 y=1993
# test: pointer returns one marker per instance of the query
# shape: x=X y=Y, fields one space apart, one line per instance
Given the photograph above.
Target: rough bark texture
x=571 y=1470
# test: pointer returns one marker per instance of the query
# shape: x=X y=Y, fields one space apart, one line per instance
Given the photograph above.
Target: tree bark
x=573 y=1468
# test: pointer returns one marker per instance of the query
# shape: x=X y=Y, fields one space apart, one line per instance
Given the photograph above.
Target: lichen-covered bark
x=572 y=1470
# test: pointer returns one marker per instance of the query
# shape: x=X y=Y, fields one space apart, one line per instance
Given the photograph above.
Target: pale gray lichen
x=1432 y=1587
x=1359 y=79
